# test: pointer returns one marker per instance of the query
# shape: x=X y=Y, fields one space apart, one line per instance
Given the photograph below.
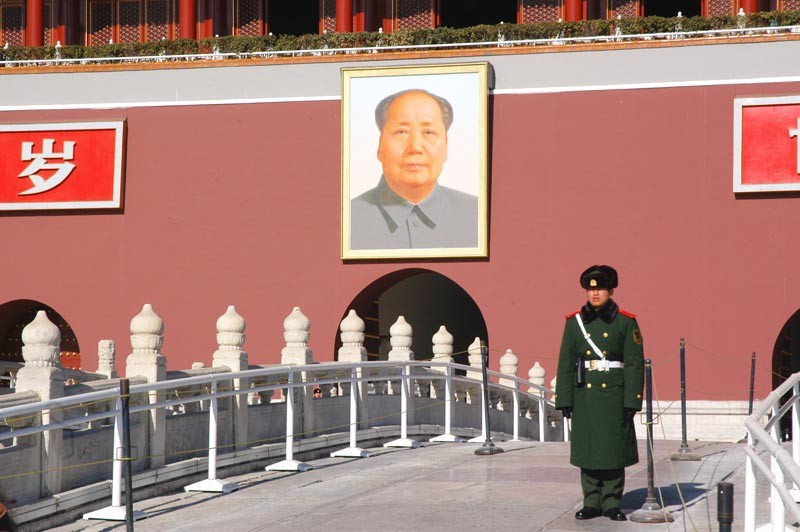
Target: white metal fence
x=446 y=382
x=763 y=434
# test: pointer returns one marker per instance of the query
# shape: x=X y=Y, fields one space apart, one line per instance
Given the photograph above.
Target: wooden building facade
x=95 y=22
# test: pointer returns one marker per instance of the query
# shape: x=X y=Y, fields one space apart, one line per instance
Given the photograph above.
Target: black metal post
x=752 y=382
x=124 y=392
x=488 y=446
x=725 y=506
x=684 y=453
x=651 y=511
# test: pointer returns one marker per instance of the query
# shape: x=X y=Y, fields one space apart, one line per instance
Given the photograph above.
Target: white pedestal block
x=289 y=465
x=406 y=443
x=212 y=486
x=351 y=452
x=113 y=513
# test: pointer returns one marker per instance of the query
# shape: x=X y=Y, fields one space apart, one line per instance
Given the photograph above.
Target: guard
x=599 y=385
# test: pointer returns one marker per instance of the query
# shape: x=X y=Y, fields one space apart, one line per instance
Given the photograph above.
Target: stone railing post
x=536 y=376
x=230 y=354
x=106 y=358
x=442 y=350
x=296 y=332
x=42 y=374
x=352 y=335
x=401 y=336
x=146 y=360
x=474 y=358
x=509 y=363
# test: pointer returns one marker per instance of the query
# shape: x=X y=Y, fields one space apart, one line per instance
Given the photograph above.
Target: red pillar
x=573 y=10
x=749 y=6
x=388 y=16
x=344 y=16
x=188 y=28
x=34 y=15
x=359 y=19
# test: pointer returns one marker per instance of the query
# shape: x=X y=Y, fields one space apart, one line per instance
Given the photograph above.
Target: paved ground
x=439 y=487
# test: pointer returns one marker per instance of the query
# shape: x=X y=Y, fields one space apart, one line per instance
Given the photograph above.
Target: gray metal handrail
x=782 y=464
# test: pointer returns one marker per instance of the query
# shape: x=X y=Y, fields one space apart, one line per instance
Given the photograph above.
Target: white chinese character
x=39 y=162
x=796 y=133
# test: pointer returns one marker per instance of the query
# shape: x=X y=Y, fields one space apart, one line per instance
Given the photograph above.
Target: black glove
x=630 y=413
x=566 y=411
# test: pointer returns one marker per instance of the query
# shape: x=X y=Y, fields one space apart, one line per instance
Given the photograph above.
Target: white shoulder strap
x=588 y=338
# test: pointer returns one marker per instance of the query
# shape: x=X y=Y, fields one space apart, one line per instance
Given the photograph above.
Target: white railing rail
x=763 y=429
x=288 y=379
x=555 y=40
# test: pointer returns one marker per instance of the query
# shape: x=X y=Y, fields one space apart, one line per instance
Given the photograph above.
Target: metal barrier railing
x=289 y=379
x=763 y=429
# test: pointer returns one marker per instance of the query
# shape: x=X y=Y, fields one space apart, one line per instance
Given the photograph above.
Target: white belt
x=603 y=365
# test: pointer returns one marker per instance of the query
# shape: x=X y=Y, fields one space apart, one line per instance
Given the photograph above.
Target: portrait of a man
x=413 y=175
x=408 y=208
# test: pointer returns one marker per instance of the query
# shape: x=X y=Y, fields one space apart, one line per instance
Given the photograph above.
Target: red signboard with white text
x=766 y=144
x=75 y=165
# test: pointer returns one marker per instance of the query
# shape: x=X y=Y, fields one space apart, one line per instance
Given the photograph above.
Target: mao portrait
x=414 y=162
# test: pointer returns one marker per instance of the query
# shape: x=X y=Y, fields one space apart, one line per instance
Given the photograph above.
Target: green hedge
x=482 y=33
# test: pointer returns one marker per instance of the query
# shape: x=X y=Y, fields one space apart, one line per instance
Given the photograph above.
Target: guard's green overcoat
x=601 y=438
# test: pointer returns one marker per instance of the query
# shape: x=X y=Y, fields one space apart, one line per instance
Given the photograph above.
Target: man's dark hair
x=382 y=109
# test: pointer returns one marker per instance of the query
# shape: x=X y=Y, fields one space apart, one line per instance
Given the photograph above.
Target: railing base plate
x=447 y=438
x=212 y=486
x=289 y=465
x=351 y=452
x=113 y=513
x=406 y=443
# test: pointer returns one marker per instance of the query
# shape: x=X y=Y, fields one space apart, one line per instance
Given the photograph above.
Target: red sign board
x=767 y=144
x=61 y=166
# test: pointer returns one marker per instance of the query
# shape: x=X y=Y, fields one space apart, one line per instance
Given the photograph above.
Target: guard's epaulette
x=628 y=314
x=568 y=316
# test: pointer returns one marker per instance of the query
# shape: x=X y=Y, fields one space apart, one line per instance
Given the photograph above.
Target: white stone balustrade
x=473 y=390
x=230 y=354
x=160 y=438
x=106 y=358
x=401 y=337
x=146 y=360
x=41 y=341
x=509 y=363
x=442 y=350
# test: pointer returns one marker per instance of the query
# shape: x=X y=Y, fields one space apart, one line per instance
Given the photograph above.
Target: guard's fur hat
x=600 y=277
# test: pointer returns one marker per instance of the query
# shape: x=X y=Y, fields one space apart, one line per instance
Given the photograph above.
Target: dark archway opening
x=786 y=361
x=466 y=13
x=427 y=300
x=15 y=315
x=670 y=8
x=293 y=17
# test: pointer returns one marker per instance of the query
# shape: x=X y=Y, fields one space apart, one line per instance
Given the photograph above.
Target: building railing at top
x=763 y=434
x=405 y=378
x=501 y=42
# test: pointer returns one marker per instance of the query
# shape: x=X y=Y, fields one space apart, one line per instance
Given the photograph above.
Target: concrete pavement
x=439 y=487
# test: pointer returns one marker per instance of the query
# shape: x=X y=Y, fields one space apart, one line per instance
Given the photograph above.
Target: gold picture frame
x=416 y=186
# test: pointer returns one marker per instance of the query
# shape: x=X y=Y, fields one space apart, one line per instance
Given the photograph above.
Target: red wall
x=239 y=204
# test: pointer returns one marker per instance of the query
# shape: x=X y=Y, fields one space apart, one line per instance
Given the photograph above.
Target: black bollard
x=725 y=506
x=124 y=392
x=684 y=454
x=651 y=511
x=488 y=446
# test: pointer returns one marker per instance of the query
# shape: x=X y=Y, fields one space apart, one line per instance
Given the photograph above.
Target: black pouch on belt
x=580 y=372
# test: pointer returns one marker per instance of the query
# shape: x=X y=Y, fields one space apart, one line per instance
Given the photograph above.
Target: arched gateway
x=427 y=300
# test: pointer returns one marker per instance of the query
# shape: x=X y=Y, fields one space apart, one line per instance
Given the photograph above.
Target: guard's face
x=598 y=297
x=413 y=146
